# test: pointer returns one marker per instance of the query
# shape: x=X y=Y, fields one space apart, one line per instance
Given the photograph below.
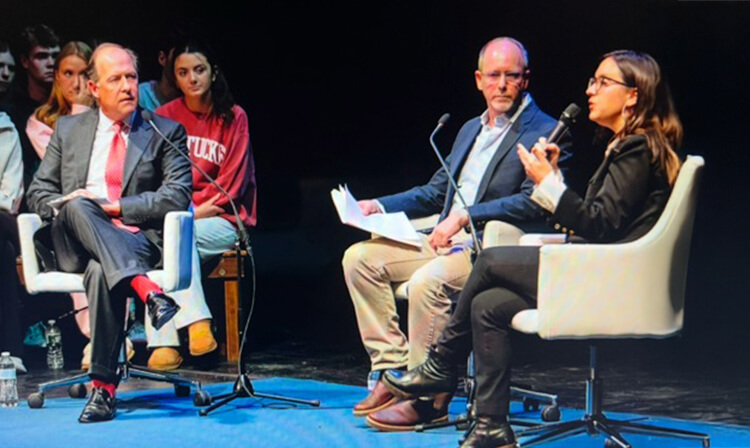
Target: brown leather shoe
x=406 y=415
x=378 y=399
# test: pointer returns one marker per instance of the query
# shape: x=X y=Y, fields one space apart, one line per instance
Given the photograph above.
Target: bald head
x=108 y=50
x=506 y=45
x=502 y=76
x=113 y=80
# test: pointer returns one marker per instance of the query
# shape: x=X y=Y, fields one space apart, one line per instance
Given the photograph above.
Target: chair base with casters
x=177 y=258
x=77 y=389
x=595 y=422
x=632 y=290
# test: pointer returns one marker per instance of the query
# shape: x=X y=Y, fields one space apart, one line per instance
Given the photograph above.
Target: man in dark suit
x=119 y=180
x=484 y=163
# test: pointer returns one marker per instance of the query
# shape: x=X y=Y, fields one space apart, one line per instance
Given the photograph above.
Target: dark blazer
x=504 y=191
x=624 y=198
x=156 y=179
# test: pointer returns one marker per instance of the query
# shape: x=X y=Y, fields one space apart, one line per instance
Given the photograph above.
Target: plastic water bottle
x=54 y=346
x=8 y=387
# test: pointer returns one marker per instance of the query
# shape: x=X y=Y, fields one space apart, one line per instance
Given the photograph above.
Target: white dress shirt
x=485 y=146
x=105 y=133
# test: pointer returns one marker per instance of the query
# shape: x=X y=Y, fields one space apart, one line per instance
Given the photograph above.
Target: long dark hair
x=654 y=115
x=221 y=97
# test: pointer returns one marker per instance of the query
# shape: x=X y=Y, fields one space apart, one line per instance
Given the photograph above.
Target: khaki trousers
x=370 y=269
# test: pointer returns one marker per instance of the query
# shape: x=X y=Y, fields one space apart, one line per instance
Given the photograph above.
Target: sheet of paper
x=394 y=226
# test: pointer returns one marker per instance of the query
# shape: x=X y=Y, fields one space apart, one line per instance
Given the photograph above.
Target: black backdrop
x=349 y=93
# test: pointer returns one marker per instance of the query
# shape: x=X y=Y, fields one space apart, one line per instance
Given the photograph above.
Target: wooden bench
x=225 y=270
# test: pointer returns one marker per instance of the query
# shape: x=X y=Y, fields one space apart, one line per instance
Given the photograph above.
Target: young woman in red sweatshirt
x=219 y=142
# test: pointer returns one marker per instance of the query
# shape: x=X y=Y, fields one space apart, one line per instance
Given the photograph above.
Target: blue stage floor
x=157 y=418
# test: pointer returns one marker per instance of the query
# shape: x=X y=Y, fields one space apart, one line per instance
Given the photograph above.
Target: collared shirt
x=105 y=133
x=485 y=146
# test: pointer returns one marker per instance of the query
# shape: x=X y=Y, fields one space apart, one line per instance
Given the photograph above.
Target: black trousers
x=502 y=283
x=85 y=240
x=11 y=331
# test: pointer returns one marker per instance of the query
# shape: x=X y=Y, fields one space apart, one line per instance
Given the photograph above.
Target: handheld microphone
x=441 y=122
x=567 y=118
x=242 y=232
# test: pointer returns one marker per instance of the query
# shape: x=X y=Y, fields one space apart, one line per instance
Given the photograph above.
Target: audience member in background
x=7 y=69
x=37 y=50
x=69 y=95
x=11 y=192
x=152 y=94
x=219 y=142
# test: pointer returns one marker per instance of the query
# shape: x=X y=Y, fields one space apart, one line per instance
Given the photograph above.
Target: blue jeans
x=215 y=236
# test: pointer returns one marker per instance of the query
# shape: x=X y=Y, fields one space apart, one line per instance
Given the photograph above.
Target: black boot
x=490 y=432
x=436 y=375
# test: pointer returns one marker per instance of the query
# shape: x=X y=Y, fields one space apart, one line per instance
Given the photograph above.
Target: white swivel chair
x=175 y=275
x=616 y=291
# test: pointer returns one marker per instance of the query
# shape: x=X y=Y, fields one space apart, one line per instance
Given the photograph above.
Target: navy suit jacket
x=504 y=191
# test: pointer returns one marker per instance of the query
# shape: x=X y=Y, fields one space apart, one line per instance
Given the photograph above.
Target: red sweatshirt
x=224 y=153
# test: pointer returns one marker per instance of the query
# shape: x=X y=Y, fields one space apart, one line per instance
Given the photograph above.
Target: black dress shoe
x=161 y=308
x=436 y=375
x=490 y=433
x=100 y=407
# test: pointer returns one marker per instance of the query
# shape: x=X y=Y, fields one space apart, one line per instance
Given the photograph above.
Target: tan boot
x=165 y=358
x=201 y=338
x=86 y=359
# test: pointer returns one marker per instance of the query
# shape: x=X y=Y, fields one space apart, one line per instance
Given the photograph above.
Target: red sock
x=109 y=387
x=143 y=286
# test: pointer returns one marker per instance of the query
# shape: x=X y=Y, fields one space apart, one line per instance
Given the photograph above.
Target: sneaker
x=137 y=332
x=35 y=336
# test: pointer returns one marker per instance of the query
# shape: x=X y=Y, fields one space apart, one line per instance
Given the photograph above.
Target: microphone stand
x=243 y=385
x=476 y=245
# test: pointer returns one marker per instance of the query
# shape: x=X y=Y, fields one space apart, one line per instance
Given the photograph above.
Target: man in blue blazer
x=484 y=163
x=119 y=179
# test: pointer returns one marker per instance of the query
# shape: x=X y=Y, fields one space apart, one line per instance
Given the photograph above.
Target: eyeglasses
x=602 y=81
x=513 y=78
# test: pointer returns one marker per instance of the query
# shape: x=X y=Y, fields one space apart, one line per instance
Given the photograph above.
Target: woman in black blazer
x=624 y=199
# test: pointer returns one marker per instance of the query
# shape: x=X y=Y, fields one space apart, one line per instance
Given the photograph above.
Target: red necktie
x=114 y=171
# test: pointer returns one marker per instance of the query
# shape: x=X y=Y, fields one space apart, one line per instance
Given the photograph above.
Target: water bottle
x=8 y=388
x=54 y=346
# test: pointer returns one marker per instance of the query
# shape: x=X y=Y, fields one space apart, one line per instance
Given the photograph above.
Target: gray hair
x=524 y=53
x=91 y=69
